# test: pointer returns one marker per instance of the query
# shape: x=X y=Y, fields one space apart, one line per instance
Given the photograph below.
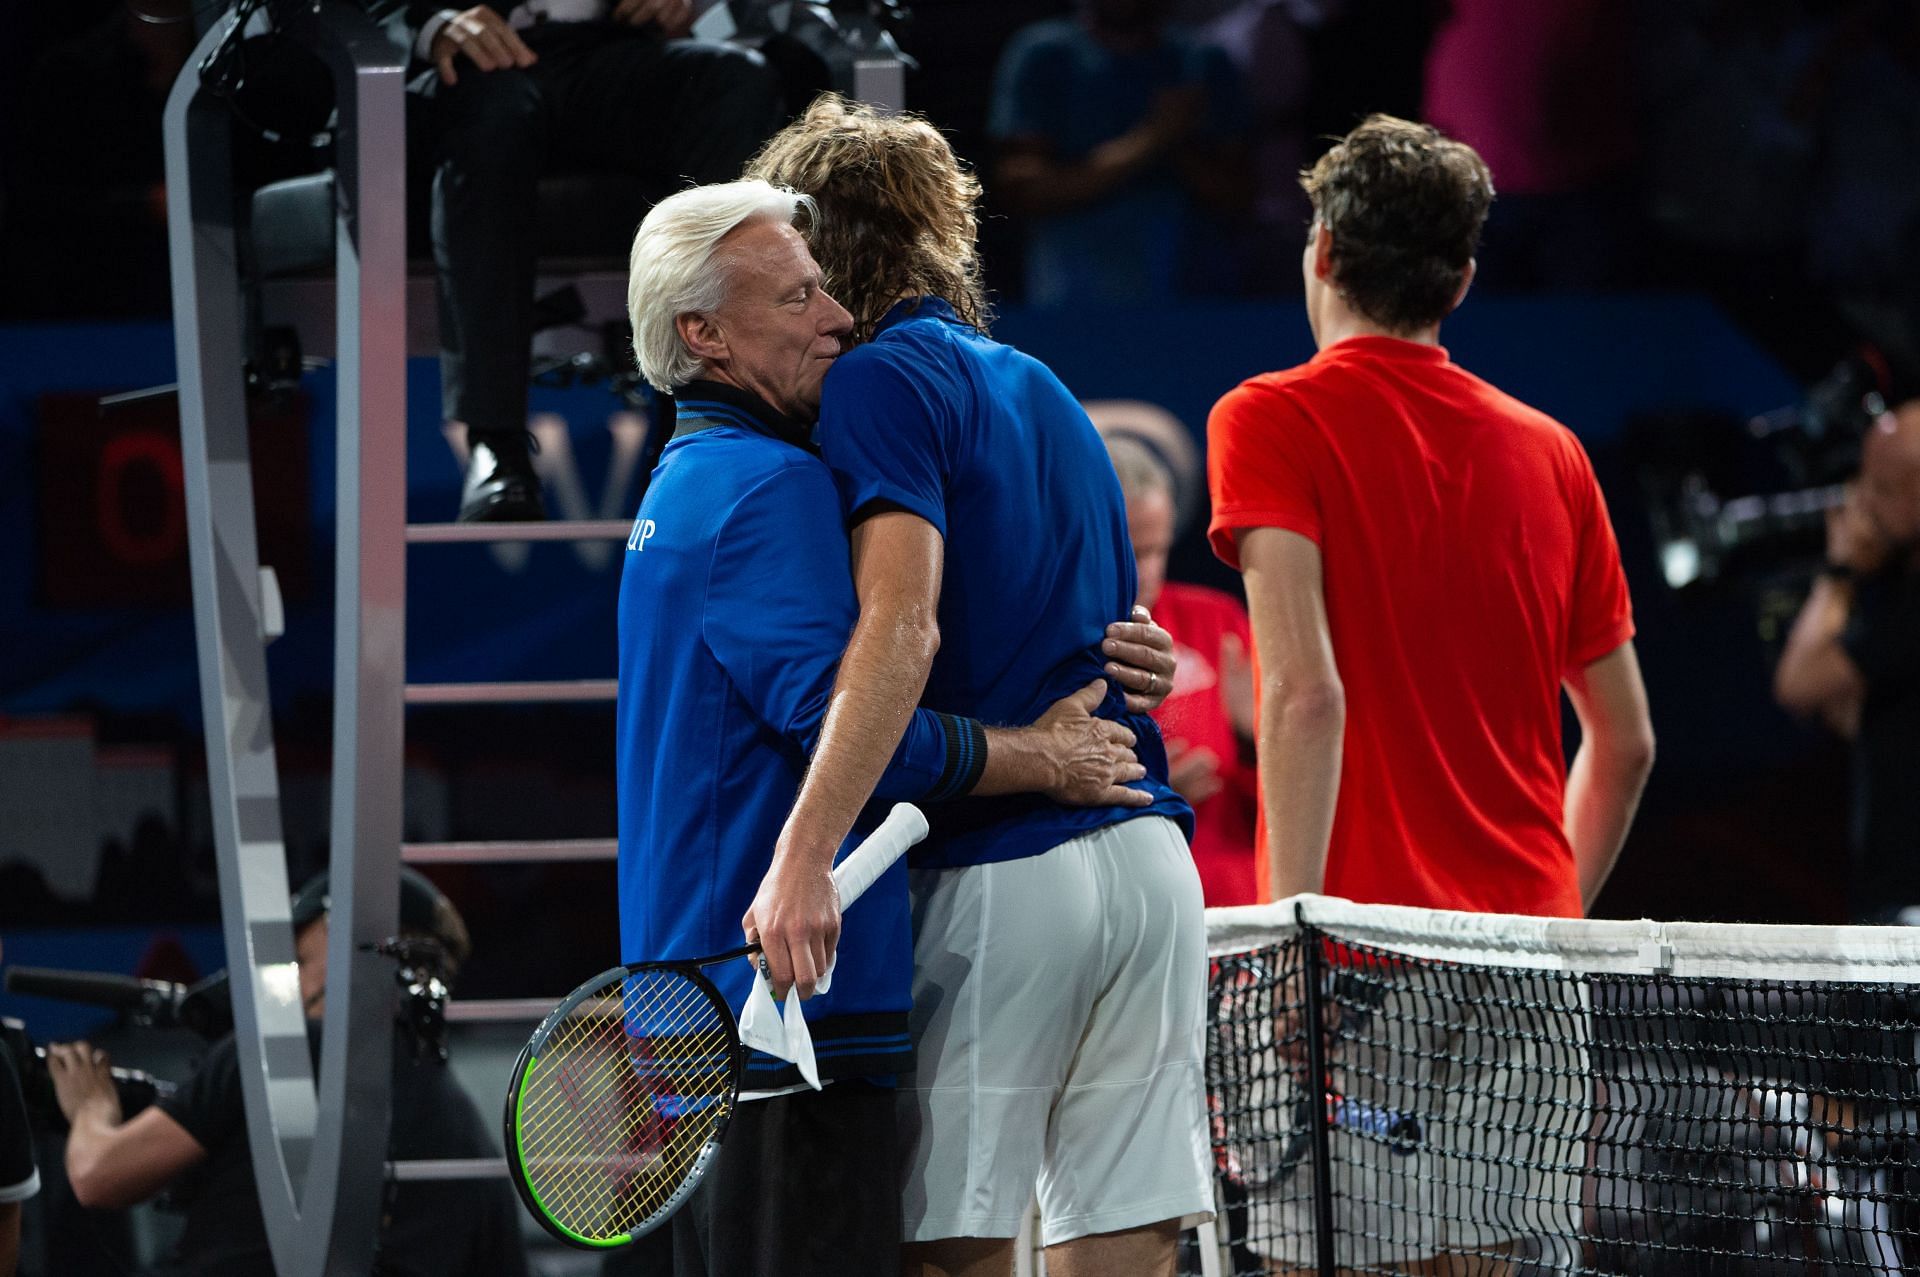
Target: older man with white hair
x=735 y=604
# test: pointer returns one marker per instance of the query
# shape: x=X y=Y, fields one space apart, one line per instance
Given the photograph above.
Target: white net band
x=1741 y=951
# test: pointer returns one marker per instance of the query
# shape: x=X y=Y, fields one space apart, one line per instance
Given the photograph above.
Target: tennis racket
x=620 y=1099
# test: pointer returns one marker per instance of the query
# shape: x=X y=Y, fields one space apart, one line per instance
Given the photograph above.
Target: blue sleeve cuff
x=861 y=496
x=941 y=757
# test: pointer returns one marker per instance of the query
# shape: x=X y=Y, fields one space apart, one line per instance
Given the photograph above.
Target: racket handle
x=903 y=827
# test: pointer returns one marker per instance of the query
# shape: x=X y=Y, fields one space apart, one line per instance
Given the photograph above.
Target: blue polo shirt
x=736 y=602
x=985 y=444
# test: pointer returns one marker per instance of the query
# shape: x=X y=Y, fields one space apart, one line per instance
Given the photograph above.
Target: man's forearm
x=1017 y=763
x=1301 y=733
x=1041 y=186
x=879 y=685
x=90 y=1148
x=1603 y=793
x=1815 y=676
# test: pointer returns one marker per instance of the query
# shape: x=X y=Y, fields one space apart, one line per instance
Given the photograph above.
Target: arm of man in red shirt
x=1303 y=704
x=1610 y=768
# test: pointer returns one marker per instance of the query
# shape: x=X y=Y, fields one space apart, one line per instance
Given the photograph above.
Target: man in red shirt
x=1428 y=564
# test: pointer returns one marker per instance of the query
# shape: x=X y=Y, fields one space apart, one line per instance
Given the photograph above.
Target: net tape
x=1750 y=951
x=1538 y=1096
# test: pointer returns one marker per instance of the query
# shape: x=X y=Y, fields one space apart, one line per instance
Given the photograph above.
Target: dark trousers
x=806 y=1185
x=601 y=98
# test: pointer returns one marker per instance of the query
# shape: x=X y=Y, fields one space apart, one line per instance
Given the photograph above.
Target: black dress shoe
x=500 y=487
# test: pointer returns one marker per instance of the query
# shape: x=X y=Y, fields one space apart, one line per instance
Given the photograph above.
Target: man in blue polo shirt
x=1060 y=962
x=735 y=602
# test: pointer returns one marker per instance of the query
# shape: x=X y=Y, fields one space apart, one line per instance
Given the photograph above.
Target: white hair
x=673 y=270
x=1139 y=468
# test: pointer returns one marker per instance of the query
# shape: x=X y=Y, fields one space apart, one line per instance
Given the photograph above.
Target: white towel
x=781 y=1031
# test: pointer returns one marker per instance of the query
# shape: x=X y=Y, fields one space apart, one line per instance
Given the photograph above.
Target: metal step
x=448 y=1168
x=584 y=689
x=578 y=530
x=495 y=853
x=499 y=1010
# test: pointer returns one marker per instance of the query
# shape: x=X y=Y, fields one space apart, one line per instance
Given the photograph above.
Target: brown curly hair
x=1405 y=204
x=896 y=208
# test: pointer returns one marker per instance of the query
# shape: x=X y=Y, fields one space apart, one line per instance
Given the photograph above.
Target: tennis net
x=1494 y=1095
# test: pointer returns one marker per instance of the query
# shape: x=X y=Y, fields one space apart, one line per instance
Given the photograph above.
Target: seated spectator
x=1207 y=719
x=1865 y=213
x=1268 y=42
x=1540 y=90
x=1114 y=131
x=504 y=93
x=1731 y=90
x=194 y=1142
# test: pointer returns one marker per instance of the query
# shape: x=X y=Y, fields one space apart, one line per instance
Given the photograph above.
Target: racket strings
x=623 y=1128
x=620 y=1101
x=608 y=1111
x=558 y=1103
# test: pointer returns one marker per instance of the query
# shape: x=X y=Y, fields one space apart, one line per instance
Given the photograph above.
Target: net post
x=1317 y=1081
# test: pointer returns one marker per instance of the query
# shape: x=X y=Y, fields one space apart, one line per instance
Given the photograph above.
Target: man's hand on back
x=1092 y=758
x=1140 y=659
x=484 y=38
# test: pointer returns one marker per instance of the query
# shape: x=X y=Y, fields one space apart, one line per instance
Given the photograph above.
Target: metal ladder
x=318 y=1143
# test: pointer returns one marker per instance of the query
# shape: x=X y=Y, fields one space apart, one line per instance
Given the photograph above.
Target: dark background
x=1745 y=818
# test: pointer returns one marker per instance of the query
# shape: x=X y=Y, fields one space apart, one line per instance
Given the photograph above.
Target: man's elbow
x=919 y=637
x=1638 y=752
x=95 y=1186
x=1795 y=693
x=1309 y=707
x=1625 y=751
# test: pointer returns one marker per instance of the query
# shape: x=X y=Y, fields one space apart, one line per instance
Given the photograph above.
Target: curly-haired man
x=1428 y=564
x=1059 y=953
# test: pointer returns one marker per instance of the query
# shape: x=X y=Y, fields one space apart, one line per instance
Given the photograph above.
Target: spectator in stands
x=1732 y=95
x=1207 y=719
x=1269 y=43
x=1117 y=133
x=1852 y=660
x=195 y=1141
x=506 y=92
x=1864 y=236
x=1541 y=92
x=82 y=165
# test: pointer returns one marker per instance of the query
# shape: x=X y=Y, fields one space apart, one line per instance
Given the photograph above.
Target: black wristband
x=1839 y=572
x=966 y=743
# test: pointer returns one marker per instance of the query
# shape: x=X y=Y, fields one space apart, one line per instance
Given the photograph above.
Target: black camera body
x=1791 y=465
x=136 y=1089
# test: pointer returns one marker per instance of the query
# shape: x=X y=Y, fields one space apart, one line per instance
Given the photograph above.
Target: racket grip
x=903 y=827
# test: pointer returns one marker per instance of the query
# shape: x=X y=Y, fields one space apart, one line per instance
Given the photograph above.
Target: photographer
x=194 y=1143
x=1852 y=660
x=19 y=1177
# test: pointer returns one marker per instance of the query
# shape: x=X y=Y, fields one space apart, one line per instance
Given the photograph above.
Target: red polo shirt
x=1469 y=566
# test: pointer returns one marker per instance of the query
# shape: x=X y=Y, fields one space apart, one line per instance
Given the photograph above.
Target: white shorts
x=1057 y=1023
x=1460 y=1110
